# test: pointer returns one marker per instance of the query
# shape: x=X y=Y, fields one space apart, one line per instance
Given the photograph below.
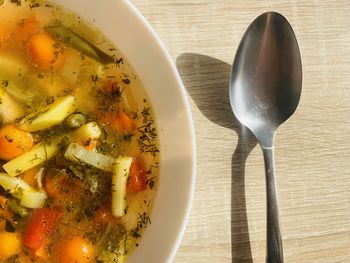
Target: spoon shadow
x=206 y=80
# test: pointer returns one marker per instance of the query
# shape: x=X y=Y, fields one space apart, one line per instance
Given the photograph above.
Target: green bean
x=65 y=34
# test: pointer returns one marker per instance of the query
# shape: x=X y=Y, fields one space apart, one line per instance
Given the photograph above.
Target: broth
x=78 y=142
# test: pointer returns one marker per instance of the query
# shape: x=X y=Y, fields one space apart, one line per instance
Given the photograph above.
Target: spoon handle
x=274 y=240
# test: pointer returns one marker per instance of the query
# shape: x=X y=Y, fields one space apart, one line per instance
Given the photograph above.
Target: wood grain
x=227 y=223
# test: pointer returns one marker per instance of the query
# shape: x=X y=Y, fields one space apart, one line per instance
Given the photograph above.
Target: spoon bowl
x=265 y=89
x=266 y=77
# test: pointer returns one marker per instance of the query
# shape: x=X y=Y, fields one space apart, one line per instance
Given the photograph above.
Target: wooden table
x=227 y=223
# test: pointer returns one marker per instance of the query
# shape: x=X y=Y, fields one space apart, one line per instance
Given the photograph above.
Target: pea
x=76 y=120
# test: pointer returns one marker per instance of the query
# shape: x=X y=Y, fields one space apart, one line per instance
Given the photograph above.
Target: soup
x=78 y=142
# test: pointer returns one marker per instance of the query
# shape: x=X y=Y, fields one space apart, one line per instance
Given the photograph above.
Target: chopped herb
x=17 y=208
x=126 y=81
x=90 y=211
x=40 y=75
x=9 y=227
x=17 y=2
x=94 y=79
x=34 y=5
x=8 y=139
x=63 y=142
x=70 y=207
x=135 y=116
x=127 y=137
x=135 y=232
x=119 y=62
x=151 y=184
x=148 y=133
x=110 y=242
x=117 y=92
x=46 y=135
x=147 y=138
x=5 y=83
x=105 y=148
x=145 y=115
x=50 y=100
x=13 y=259
x=126 y=210
x=144 y=220
x=104 y=134
x=148 y=147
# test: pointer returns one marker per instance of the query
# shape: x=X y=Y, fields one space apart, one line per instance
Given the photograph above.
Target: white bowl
x=122 y=24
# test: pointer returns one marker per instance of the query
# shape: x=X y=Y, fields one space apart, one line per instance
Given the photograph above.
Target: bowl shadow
x=206 y=80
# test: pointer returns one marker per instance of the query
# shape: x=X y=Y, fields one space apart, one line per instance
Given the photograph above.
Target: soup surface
x=78 y=143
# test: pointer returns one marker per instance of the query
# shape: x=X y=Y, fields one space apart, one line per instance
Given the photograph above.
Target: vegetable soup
x=78 y=142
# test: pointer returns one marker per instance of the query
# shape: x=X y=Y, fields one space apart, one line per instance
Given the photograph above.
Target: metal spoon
x=265 y=89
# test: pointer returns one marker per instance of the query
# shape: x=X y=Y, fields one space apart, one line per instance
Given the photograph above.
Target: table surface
x=227 y=222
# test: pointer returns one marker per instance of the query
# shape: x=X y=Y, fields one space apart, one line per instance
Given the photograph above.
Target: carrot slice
x=43 y=51
x=75 y=250
x=10 y=244
x=3 y=201
x=127 y=123
x=119 y=121
x=14 y=142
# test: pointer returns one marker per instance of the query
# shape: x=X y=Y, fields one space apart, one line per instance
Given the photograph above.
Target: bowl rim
x=164 y=52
